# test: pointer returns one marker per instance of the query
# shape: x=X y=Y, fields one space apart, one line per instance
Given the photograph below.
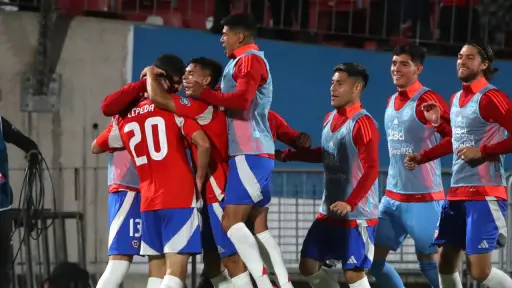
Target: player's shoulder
x=431 y=96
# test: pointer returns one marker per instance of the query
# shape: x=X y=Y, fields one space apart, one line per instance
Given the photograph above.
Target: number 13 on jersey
x=149 y=124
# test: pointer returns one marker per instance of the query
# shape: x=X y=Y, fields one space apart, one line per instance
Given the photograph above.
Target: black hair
x=241 y=21
x=487 y=55
x=172 y=65
x=416 y=52
x=354 y=70
x=213 y=67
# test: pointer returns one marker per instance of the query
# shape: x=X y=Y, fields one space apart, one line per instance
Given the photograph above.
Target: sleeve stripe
x=496 y=98
x=365 y=129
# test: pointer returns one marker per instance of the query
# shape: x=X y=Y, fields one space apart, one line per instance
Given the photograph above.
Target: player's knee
x=234 y=265
x=426 y=257
x=479 y=272
x=353 y=276
x=157 y=266
x=448 y=260
x=212 y=265
x=377 y=266
x=308 y=267
x=479 y=266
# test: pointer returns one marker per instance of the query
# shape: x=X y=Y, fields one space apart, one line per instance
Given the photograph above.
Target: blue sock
x=385 y=275
x=429 y=270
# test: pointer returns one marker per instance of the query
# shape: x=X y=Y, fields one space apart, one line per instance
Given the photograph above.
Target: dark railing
x=441 y=25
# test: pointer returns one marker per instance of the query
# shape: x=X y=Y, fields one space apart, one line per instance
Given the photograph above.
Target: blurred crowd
x=351 y=22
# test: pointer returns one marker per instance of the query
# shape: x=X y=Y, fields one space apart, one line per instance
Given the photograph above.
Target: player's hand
x=278 y=154
x=469 y=153
x=151 y=70
x=199 y=190
x=412 y=161
x=341 y=208
x=192 y=87
x=303 y=140
x=432 y=112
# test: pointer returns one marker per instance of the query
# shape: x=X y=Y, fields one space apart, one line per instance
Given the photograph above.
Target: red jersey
x=214 y=124
x=153 y=138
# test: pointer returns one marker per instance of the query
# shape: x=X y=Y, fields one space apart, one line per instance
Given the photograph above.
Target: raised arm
x=250 y=72
x=116 y=102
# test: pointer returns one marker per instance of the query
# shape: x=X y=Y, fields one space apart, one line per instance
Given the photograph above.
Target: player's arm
x=287 y=134
x=311 y=155
x=248 y=74
x=366 y=139
x=444 y=147
x=496 y=107
x=116 y=102
x=100 y=144
x=12 y=135
x=183 y=107
x=192 y=131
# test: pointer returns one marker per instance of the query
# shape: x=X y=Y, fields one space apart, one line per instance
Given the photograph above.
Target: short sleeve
x=187 y=126
x=192 y=108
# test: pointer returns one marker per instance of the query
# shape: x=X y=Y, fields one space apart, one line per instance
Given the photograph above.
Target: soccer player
x=124 y=213
x=170 y=220
x=412 y=197
x=474 y=217
x=246 y=94
x=345 y=227
x=216 y=243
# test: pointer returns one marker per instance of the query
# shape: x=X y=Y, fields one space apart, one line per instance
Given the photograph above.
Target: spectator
x=459 y=21
x=496 y=16
x=222 y=9
x=284 y=12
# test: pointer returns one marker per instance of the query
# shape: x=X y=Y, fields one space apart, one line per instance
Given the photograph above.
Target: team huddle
x=168 y=208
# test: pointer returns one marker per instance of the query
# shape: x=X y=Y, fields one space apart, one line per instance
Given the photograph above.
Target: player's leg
x=390 y=234
x=181 y=236
x=156 y=271
x=247 y=174
x=124 y=236
x=421 y=221
x=219 y=250
x=323 y=242
x=151 y=246
x=269 y=248
x=358 y=255
x=486 y=230
x=451 y=237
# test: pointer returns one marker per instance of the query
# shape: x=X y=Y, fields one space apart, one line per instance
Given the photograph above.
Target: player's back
x=154 y=141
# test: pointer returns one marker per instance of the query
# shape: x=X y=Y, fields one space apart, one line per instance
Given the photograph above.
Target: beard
x=469 y=77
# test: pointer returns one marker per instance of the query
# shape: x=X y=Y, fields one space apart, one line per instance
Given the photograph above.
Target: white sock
x=114 y=274
x=274 y=261
x=363 y=283
x=172 y=282
x=497 y=279
x=154 y=282
x=451 y=281
x=322 y=279
x=222 y=280
x=242 y=281
x=247 y=248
